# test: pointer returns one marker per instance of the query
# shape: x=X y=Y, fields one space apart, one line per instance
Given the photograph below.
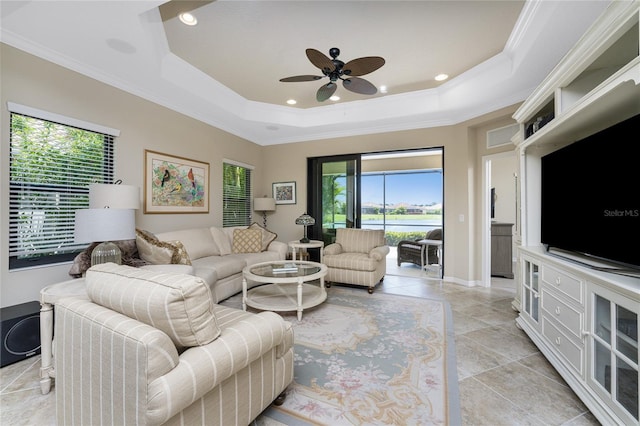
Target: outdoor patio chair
x=409 y=251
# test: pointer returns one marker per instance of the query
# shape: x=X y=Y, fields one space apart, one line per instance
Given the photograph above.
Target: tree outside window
x=236 y=195
x=51 y=167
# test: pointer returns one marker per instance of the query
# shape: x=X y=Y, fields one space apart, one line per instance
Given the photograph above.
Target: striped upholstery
x=355 y=240
x=179 y=305
x=357 y=257
x=112 y=369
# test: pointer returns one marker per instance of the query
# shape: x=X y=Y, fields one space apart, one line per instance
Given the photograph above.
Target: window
x=51 y=167
x=402 y=201
x=236 y=194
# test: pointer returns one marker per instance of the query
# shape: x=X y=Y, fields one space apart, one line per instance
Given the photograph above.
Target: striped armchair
x=152 y=348
x=357 y=257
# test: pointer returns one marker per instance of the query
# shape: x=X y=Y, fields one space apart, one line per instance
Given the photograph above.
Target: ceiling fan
x=336 y=70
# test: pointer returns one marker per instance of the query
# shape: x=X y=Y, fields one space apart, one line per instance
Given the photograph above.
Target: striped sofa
x=151 y=348
x=358 y=256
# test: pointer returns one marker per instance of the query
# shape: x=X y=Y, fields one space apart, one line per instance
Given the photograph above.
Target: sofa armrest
x=202 y=368
x=335 y=248
x=379 y=253
x=280 y=248
x=104 y=362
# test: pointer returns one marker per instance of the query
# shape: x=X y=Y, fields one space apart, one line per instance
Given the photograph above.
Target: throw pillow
x=197 y=241
x=267 y=236
x=180 y=255
x=158 y=252
x=222 y=240
x=179 y=305
x=247 y=241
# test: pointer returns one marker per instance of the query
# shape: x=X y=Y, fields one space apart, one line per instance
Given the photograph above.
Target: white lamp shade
x=113 y=196
x=264 y=204
x=94 y=225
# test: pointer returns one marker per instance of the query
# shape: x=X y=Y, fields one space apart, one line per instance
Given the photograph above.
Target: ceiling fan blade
x=298 y=78
x=359 y=85
x=320 y=60
x=362 y=66
x=326 y=91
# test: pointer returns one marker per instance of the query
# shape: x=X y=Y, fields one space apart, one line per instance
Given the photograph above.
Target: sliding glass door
x=334 y=195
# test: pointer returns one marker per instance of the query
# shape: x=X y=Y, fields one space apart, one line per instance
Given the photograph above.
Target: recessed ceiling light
x=441 y=77
x=383 y=89
x=335 y=98
x=292 y=102
x=188 y=19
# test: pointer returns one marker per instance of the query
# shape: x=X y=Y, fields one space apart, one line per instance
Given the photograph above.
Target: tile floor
x=503 y=378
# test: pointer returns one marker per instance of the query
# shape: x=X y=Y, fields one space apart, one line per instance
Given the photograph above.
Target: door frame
x=486 y=214
x=314 y=197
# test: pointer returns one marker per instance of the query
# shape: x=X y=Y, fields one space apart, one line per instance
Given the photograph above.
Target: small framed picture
x=284 y=192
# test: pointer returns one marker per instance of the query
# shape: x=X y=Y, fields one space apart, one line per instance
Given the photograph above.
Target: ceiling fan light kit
x=336 y=70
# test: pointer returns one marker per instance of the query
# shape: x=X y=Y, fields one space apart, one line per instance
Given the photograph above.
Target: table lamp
x=264 y=205
x=106 y=225
x=110 y=217
x=113 y=196
x=305 y=220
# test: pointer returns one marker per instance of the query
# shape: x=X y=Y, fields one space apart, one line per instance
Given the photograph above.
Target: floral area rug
x=370 y=359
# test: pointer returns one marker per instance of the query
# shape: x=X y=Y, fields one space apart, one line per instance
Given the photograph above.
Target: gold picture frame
x=174 y=184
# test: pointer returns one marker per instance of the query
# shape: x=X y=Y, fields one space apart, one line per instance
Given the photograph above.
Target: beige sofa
x=217 y=255
x=357 y=257
x=152 y=348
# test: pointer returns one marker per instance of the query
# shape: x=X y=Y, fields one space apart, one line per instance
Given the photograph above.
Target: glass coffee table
x=288 y=286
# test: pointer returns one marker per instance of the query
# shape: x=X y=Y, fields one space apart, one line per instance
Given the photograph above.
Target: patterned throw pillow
x=159 y=252
x=267 y=236
x=247 y=241
x=180 y=255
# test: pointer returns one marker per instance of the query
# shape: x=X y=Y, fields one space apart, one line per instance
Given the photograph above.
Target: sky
x=418 y=188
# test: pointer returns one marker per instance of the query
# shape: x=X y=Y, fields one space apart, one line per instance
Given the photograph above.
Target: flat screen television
x=590 y=198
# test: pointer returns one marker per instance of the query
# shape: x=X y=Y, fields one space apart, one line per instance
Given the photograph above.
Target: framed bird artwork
x=175 y=184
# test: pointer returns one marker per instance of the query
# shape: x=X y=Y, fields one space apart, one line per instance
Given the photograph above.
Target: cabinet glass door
x=614 y=341
x=531 y=289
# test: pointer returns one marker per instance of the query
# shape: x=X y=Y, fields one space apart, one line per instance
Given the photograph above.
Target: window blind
x=51 y=167
x=236 y=195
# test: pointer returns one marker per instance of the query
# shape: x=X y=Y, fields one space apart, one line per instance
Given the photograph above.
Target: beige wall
x=143 y=125
x=288 y=162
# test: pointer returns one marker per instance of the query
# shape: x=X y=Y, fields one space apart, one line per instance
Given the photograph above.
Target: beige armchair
x=357 y=257
x=151 y=348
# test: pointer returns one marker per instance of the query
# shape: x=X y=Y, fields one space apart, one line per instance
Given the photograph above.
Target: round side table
x=297 y=245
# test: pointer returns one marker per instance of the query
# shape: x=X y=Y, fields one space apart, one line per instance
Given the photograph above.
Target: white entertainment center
x=583 y=320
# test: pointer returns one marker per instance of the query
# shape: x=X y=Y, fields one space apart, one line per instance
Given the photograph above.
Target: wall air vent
x=501 y=136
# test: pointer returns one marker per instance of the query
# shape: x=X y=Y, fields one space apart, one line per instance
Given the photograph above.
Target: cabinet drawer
x=564 y=283
x=563 y=313
x=563 y=344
